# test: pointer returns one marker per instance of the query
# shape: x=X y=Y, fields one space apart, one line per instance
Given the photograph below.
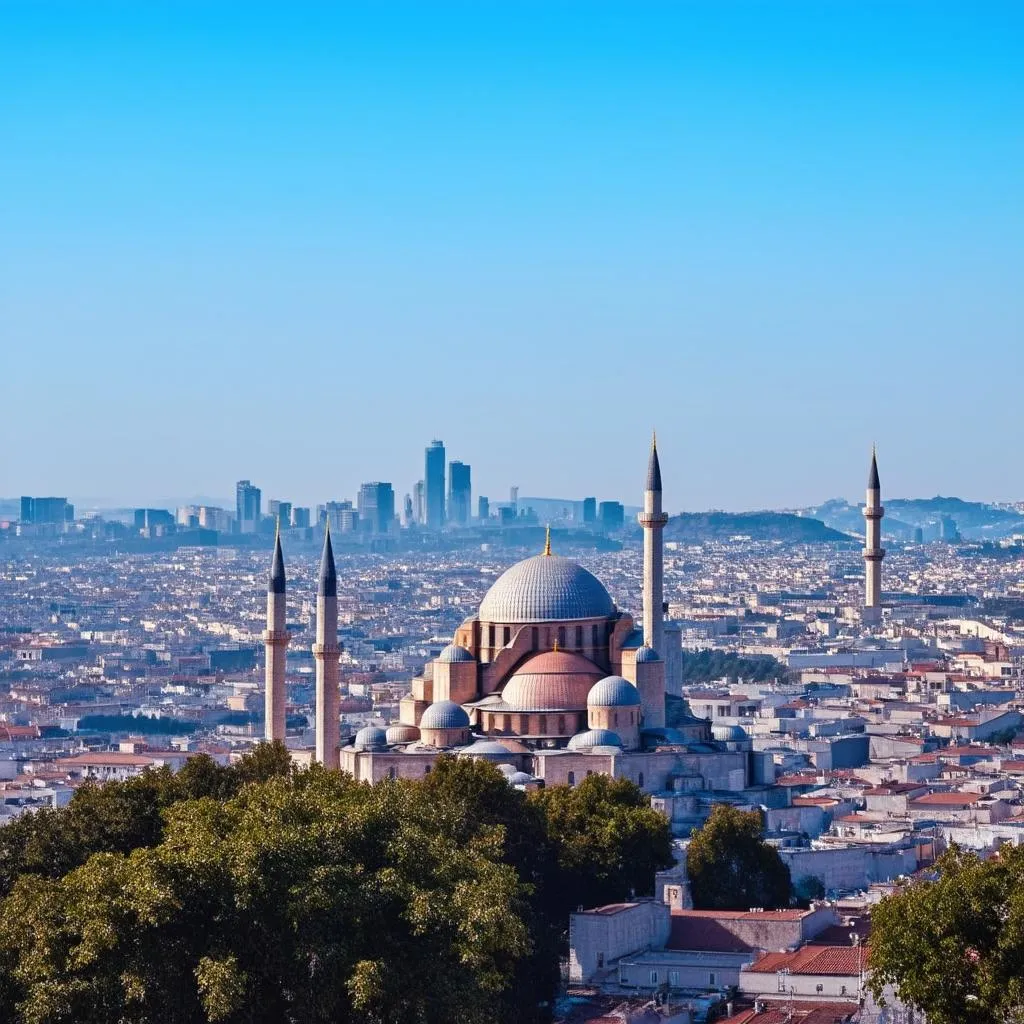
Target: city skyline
x=777 y=233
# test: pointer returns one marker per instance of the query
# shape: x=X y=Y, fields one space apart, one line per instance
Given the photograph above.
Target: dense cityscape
x=865 y=701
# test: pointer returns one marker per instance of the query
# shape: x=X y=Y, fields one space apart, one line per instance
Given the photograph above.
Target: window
x=392 y=773
x=673 y=979
x=561 y=637
x=535 y=638
x=561 y=725
x=594 y=637
x=508 y=635
x=654 y=977
x=712 y=980
x=640 y=780
x=579 y=637
x=842 y=991
x=490 y=636
x=426 y=771
x=600 y=960
x=543 y=724
x=571 y=778
x=615 y=716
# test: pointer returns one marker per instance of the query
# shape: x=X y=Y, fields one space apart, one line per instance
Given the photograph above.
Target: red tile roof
x=833 y=960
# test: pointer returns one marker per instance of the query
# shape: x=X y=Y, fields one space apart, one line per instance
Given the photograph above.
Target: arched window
x=490 y=636
x=508 y=635
x=616 y=717
x=579 y=638
x=595 y=640
x=392 y=773
x=571 y=778
x=640 y=780
x=543 y=724
x=561 y=725
x=561 y=637
x=535 y=638
x=426 y=771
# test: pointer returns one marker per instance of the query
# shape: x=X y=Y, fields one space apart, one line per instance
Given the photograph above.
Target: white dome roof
x=444 y=714
x=546 y=588
x=613 y=692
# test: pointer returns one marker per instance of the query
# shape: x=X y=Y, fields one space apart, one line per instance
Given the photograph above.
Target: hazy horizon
x=296 y=242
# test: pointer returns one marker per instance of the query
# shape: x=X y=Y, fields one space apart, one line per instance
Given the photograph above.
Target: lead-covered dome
x=444 y=714
x=453 y=654
x=546 y=588
x=594 y=738
x=613 y=692
x=371 y=737
x=553 y=681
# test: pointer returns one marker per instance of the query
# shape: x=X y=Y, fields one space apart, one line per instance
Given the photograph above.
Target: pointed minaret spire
x=328 y=585
x=873 y=483
x=275 y=645
x=873 y=550
x=327 y=651
x=654 y=466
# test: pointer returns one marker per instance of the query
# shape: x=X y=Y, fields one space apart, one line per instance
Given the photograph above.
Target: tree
x=954 y=947
x=730 y=865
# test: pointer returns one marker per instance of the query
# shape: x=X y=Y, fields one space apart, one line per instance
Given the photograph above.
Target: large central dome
x=546 y=588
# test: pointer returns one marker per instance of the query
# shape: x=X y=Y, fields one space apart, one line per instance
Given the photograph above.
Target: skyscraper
x=376 y=507
x=248 y=505
x=46 y=510
x=460 y=493
x=589 y=511
x=483 y=509
x=612 y=516
x=434 y=485
x=281 y=512
x=419 y=511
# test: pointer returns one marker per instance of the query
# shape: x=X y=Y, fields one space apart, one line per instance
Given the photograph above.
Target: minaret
x=873 y=551
x=653 y=520
x=275 y=643
x=326 y=651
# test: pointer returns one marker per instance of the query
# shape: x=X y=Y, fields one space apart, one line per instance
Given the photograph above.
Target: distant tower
x=653 y=520
x=873 y=551
x=275 y=642
x=433 y=476
x=326 y=651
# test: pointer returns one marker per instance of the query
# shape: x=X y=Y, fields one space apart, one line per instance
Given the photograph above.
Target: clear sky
x=294 y=242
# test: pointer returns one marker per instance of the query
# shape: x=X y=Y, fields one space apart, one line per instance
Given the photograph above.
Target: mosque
x=549 y=680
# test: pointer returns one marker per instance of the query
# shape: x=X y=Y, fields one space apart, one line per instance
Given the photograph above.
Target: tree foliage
x=257 y=894
x=731 y=867
x=954 y=947
x=708 y=665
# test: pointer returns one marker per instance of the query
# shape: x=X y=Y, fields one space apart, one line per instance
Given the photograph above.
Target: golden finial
x=555 y=647
x=547 y=541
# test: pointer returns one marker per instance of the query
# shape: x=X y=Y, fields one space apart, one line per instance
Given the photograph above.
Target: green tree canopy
x=257 y=894
x=731 y=867
x=954 y=947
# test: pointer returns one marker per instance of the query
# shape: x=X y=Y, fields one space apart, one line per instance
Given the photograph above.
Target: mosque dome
x=453 y=653
x=402 y=734
x=552 y=681
x=488 y=750
x=594 y=738
x=520 y=779
x=646 y=654
x=370 y=737
x=729 y=733
x=613 y=692
x=507 y=769
x=444 y=714
x=546 y=588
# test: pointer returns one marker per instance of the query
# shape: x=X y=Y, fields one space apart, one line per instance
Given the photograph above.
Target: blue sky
x=294 y=242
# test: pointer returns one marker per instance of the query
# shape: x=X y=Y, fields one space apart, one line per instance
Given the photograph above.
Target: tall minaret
x=873 y=551
x=326 y=651
x=275 y=642
x=653 y=520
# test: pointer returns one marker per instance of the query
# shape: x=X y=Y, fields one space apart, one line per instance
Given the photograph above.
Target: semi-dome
x=613 y=692
x=553 y=681
x=454 y=653
x=646 y=654
x=546 y=588
x=399 y=733
x=594 y=738
x=370 y=737
x=444 y=714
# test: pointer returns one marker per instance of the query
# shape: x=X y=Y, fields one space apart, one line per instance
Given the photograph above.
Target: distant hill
x=975 y=520
x=697 y=527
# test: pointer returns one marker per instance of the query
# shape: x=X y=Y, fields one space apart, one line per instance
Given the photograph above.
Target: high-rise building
x=433 y=476
x=300 y=518
x=612 y=515
x=407 y=514
x=248 y=506
x=46 y=510
x=376 y=507
x=153 y=521
x=280 y=512
x=419 y=511
x=460 y=493
x=342 y=516
x=483 y=509
x=589 y=511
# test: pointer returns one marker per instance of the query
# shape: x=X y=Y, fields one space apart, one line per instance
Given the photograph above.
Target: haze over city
x=293 y=245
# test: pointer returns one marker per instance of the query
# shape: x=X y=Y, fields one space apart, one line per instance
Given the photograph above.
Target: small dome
x=520 y=779
x=488 y=750
x=402 y=734
x=613 y=692
x=507 y=769
x=546 y=588
x=729 y=733
x=444 y=714
x=370 y=737
x=553 y=681
x=646 y=654
x=594 y=738
x=453 y=653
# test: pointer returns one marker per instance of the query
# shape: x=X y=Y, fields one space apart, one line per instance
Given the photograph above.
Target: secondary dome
x=594 y=738
x=371 y=737
x=553 y=681
x=453 y=653
x=613 y=692
x=444 y=714
x=399 y=733
x=546 y=588
x=646 y=654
